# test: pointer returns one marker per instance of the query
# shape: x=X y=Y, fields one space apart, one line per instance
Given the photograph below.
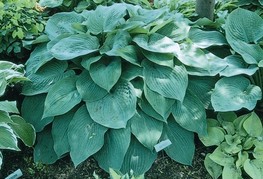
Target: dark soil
x=163 y=167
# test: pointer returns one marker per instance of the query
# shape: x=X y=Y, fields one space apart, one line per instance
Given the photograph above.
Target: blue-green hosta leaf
x=182 y=147
x=254 y=168
x=23 y=130
x=91 y=134
x=9 y=106
x=106 y=75
x=231 y=171
x=50 y=3
x=38 y=58
x=146 y=129
x=88 y=60
x=160 y=104
x=202 y=87
x=116 y=144
x=148 y=109
x=44 y=150
x=200 y=62
x=53 y=42
x=156 y=43
x=116 y=108
x=204 y=39
x=130 y=54
x=253 y=125
x=234 y=93
x=131 y=72
x=164 y=59
x=190 y=114
x=8 y=138
x=105 y=19
x=32 y=111
x=244 y=27
x=46 y=77
x=88 y=89
x=60 y=132
x=114 y=42
x=169 y=82
x=62 y=97
x=215 y=136
x=237 y=66
x=5 y=117
x=138 y=158
x=75 y=46
x=61 y=23
x=213 y=168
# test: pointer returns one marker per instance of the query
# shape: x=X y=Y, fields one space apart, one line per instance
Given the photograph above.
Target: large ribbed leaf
x=38 y=58
x=160 y=104
x=146 y=129
x=46 y=77
x=237 y=66
x=116 y=108
x=61 y=23
x=165 y=59
x=60 y=132
x=106 y=75
x=43 y=150
x=204 y=39
x=243 y=31
x=62 y=97
x=200 y=62
x=114 y=42
x=105 y=19
x=88 y=89
x=190 y=114
x=23 y=130
x=116 y=144
x=138 y=158
x=234 y=93
x=168 y=82
x=8 y=138
x=32 y=111
x=85 y=136
x=156 y=43
x=75 y=46
x=182 y=147
x=130 y=54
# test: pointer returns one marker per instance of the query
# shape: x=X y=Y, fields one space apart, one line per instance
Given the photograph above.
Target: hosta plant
x=12 y=126
x=114 y=82
x=239 y=142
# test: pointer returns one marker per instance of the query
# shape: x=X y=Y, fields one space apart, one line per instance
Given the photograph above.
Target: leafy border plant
x=122 y=79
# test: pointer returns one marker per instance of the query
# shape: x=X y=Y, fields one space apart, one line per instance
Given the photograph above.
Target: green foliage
x=19 y=21
x=122 y=79
x=12 y=126
x=239 y=146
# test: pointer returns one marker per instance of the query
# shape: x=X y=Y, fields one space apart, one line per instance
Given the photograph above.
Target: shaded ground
x=163 y=167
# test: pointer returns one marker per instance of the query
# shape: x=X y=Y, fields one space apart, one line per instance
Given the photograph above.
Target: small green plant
x=12 y=126
x=19 y=21
x=239 y=142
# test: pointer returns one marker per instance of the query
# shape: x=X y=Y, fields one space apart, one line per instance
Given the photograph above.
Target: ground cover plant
x=123 y=78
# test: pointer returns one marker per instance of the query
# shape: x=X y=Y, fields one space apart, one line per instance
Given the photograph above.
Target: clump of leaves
x=12 y=126
x=19 y=21
x=122 y=79
x=240 y=145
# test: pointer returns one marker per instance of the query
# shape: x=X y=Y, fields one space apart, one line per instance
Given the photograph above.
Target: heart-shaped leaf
x=234 y=93
x=116 y=108
x=106 y=76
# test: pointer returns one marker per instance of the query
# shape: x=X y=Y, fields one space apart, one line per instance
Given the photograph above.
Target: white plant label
x=161 y=145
